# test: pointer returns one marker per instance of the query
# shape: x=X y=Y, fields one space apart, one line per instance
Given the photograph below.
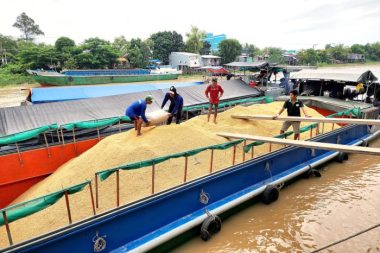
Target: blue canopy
x=54 y=94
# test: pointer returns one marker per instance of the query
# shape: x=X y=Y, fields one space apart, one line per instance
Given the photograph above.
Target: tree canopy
x=27 y=27
x=163 y=43
x=229 y=49
x=194 y=42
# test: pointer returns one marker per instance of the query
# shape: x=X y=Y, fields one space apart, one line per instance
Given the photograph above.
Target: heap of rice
x=126 y=148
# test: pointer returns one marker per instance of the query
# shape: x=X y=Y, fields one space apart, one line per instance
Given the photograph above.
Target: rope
x=345 y=239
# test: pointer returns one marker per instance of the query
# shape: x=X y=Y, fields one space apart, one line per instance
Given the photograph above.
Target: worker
x=213 y=93
x=293 y=106
x=136 y=112
x=175 y=107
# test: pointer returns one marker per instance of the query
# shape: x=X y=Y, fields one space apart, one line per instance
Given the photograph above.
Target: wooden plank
x=311 y=119
x=306 y=144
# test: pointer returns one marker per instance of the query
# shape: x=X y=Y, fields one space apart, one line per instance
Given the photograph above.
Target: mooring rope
x=347 y=238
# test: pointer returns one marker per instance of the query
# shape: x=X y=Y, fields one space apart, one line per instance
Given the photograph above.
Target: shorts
x=214 y=104
x=294 y=124
x=132 y=116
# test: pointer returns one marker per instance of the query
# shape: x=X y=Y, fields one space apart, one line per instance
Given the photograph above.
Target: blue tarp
x=46 y=95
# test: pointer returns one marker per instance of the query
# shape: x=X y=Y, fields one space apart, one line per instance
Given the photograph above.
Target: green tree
x=229 y=49
x=251 y=50
x=121 y=45
x=323 y=56
x=138 y=53
x=275 y=54
x=373 y=51
x=309 y=56
x=358 y=49
x=65 y=50
x=8 y=49
x=96 y=53
x=27 y=27
x=38 y=56
x=163 y=43
x=206 y=49
x=338 y=52
x=64 y=44
x=194 y=42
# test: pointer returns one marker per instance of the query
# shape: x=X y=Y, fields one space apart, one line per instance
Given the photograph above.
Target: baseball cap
x=149 y=97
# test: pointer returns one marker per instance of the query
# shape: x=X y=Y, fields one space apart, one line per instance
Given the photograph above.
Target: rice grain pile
x=126 y=148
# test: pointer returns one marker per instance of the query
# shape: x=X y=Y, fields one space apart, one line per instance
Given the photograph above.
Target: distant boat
x=85 y=77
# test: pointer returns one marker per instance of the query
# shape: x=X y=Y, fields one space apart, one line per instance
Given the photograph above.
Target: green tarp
x=4 y=140
x=27 y=208
x=103 y=175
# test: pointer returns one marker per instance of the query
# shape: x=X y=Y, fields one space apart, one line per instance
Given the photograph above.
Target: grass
x=7 y=79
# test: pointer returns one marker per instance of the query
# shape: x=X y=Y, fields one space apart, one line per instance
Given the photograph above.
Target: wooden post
x=68 y=207
x=96 y=191
x=47 y=146
x=117 y=188
x=19 y=155
x=92 y=199
x=119 y=125
x=317 y=130
x=245 y=143
x=75 y=145
x=211 y=160
x=187 y=115
x=7 y=228
x=63 y=138
x=270 y=147
x=234 y=155
x=97 y=130
x=153 y=169
x=184 y=177
x=311 y=131
x=332 y=128
x=323 y=127
x=59 y=138
x=252 y=151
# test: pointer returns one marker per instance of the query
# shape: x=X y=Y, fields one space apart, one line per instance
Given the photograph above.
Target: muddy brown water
x=309 y=214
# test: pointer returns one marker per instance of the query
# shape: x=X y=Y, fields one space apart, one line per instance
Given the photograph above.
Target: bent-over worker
x=136 y=112
x=175 y=107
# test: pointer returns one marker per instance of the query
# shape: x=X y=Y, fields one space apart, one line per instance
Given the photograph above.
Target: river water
x=309 y=214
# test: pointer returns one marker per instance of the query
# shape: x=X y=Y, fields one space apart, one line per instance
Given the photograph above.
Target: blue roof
x=55 y=94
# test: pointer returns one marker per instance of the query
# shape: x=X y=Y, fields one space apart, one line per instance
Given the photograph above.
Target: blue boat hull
x=148 y=223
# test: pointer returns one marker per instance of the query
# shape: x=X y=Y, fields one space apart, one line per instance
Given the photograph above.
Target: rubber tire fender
x=270 y=194
x=211 y=225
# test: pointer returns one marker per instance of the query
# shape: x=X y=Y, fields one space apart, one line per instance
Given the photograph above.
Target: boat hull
x=63 y=80
x=148 y=223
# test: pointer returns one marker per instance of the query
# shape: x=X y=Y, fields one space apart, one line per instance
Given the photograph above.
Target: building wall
x=214 y=40
x=179 y=60
x=211 y=62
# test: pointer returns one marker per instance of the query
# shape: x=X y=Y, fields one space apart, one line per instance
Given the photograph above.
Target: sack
x=157 y=117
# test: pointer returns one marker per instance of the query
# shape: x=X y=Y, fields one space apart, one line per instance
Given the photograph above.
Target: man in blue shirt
x=176 y=105
x=136 y=112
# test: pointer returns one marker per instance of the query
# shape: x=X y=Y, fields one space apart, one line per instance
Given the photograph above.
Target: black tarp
x=22 y=118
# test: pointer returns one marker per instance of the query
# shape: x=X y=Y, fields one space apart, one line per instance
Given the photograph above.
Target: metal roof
x=342 y=75
x=257 y=64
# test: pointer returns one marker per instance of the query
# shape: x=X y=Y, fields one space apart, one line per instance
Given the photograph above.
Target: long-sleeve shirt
x=212 y=92
x=177 y=100
x=137 y=108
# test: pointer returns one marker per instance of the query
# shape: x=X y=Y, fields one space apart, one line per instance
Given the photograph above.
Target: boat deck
x=332 y=104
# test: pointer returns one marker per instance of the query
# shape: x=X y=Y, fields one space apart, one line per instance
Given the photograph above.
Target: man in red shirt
x=213 y=92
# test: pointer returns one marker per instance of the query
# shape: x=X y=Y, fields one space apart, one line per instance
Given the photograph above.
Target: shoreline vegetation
x=7 y=79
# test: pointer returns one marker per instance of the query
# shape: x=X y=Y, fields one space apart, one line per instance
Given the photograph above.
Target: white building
x=210 y=60
x=184 y=60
